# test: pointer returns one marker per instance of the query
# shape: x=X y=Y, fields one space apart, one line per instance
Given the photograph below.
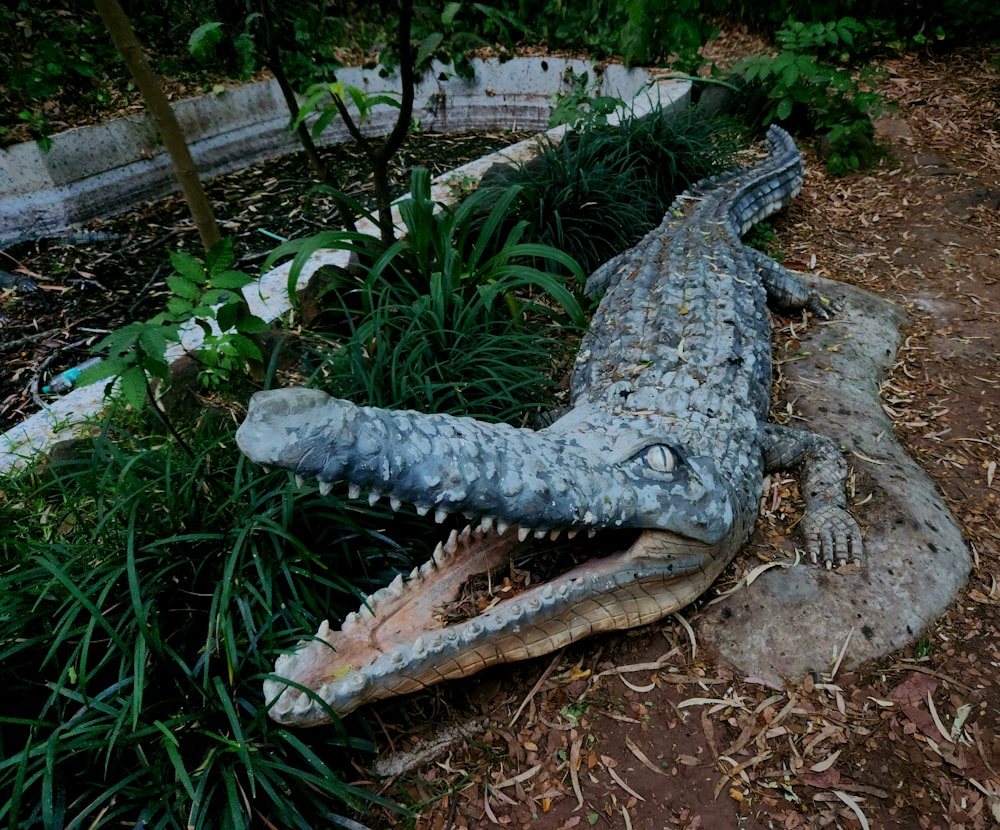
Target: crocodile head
x=653 y=520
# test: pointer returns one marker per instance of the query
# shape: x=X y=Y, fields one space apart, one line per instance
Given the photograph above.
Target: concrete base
x=793 y=621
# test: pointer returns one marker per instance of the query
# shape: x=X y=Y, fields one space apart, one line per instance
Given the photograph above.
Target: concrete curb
x=503 y=95
x=106 y=168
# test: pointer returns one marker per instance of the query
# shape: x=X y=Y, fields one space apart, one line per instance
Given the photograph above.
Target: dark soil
x=111 y=272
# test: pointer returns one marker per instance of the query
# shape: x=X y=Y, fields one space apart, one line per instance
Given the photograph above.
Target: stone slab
x=793 y=621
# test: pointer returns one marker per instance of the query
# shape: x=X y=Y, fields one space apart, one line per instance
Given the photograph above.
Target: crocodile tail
x=771 y=184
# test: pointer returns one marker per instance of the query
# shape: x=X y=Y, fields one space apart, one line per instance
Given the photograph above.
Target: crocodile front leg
x=830 y=532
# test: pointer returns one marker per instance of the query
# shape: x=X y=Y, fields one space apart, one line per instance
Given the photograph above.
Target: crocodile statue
x=659 y=460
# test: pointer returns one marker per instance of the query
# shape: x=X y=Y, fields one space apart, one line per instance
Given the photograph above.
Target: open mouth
x=482 y=598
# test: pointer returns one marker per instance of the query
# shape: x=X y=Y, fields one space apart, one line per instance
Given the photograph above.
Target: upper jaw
x=575 y=475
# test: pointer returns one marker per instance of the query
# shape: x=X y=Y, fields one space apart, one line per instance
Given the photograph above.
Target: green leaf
x=784 y=108
x=231 y=279
x=204 y=39
x=427 y=47
x=251 y=324
x=220 y=257
x=153 y=342
x=187 y=266
x=227 y=316
x=245 y=347
x=133 y=387
x=183 y=287
x=450 y=10
x=180 y=307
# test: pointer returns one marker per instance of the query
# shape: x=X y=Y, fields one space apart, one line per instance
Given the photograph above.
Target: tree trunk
x=131 y=50
x=272 y=57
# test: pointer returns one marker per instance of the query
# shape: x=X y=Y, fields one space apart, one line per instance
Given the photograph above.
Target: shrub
x=801 y=89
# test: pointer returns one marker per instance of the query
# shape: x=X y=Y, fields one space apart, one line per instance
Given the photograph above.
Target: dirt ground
x=648 y=729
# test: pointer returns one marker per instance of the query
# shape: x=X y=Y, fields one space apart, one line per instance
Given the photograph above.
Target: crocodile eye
x=660 y=458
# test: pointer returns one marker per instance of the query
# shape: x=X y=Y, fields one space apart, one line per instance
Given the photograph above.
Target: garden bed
x=518 y=92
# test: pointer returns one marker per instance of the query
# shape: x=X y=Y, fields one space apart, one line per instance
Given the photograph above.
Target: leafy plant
x=144 y=594
x=578 y=104
x=204 y=295
x=437 y=319
x=797 y=85
x=602 y=187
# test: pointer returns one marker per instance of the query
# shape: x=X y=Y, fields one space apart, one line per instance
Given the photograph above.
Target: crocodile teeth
x=486 y=525
x=284 y=662
x=299 y=480
x=302 y=705
x=373 y=497
x=547 y=592
x=591 y=533
x=325 y=487
x=465 y=535
x=395 y=503
x=515 y=609
x=440 y=515
x=571 y=533
x=350 y=622
x=502 y=527
x=541 y=534
x=326 y=693
x=522 y=533
x=324 y=629
x=398 y=658
x=415 y=574
x=283 y=705
x=353 y=491
x=555 y=533
x=472 y=632
x=395 y=588
x=418 y=648
x=562 y=589
x=452 y=544
x=422 y=509
x=427 y=568
x=358 y=680
x=437 y=642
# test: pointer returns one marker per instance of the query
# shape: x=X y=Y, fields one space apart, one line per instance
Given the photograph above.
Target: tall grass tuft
x=596 y=192
x=461 y=315
x=143 y=597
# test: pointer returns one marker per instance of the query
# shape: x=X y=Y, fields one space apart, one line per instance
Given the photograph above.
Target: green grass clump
x=144 y=595
x=459 y=316
x=596 y=192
